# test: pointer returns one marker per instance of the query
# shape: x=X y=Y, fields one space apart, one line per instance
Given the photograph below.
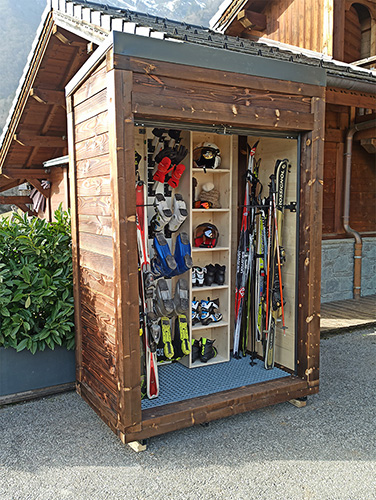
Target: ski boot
x=198 y=273
x=162 y=215
x=219 y=276
x=164 y=305
x=196 y=349
x=168 y=349
x=209 y=311
x=179 y=213
x=195 y=311
x=182 y=254
x=163 y=263
x=181 y=297
x=209 y=275
x=181 y=337
x=208 y=351
x=194 y=276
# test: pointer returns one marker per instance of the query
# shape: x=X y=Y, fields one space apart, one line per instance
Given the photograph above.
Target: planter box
x=21 y=372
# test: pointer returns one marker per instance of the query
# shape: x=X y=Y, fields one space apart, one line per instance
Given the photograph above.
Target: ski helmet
x=206 y=235
x=207 y=155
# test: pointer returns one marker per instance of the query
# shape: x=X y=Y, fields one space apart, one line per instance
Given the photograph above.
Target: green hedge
x=36 y=284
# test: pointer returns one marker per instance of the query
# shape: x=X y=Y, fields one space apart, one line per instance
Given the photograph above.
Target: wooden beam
x=13 y=200
x=43 y=141
x=38 y=186
x=23 y=173
x=24 y=208
x=345 y=97
x=252 y=20
x=48 y=96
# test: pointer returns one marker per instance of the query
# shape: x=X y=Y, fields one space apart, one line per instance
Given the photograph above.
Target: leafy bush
x=36 y=284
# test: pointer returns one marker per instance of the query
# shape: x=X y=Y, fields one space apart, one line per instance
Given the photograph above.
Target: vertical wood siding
x=93 y=219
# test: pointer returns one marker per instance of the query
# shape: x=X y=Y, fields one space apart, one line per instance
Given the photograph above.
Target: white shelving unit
x=221 y=254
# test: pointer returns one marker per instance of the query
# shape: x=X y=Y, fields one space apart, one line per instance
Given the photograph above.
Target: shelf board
x=203 y=210
x=205 y=288
x=212 y=170
x=197 y=328
x=213 y=361
x=215 y=249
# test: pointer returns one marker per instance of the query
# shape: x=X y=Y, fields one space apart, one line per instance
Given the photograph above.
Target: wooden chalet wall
x=303 y=23
x=363 y=174
x=106 y=270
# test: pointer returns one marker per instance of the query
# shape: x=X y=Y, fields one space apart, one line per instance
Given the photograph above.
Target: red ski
x=151 y=329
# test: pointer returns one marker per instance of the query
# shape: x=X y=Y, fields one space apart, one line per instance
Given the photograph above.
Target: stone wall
x=337 y=272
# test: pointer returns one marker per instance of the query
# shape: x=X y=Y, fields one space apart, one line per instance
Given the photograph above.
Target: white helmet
x=207 y=155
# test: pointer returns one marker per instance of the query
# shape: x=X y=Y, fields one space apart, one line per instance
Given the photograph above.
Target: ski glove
x=175 y=176
x=174 y=154
x=163 y=168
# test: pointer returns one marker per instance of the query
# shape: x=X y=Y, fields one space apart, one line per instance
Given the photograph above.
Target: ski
x=149 y=321
x=274 y=299
x=242 y=263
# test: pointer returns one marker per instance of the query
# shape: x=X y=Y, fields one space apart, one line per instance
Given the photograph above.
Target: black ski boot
x=196 y=349
x=209 y=275
x=208 y=351
x=219 y=276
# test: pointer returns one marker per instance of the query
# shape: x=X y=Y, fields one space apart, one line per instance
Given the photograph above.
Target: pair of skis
x=259 y=290
x=244 y=257
x=274 y=303
x=148 y=319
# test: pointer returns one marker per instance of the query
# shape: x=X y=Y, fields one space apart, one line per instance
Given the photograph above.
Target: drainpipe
x=346 y=206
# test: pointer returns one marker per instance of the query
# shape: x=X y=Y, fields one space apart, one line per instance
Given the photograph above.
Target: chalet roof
x=109 y=18
x=60 y=50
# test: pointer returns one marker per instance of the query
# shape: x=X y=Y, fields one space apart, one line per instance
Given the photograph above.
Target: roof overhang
x=189 y=54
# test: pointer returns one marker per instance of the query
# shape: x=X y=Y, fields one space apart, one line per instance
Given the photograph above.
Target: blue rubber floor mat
x=178 y=383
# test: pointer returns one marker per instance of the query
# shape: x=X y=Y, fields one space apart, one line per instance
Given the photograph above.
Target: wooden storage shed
x=229 y=97
x=125 y=74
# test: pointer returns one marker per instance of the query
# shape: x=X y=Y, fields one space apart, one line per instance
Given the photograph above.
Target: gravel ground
x=57 y=448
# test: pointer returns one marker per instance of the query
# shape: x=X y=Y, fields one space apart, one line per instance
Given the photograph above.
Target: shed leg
x=138 y=446
x=299 y=402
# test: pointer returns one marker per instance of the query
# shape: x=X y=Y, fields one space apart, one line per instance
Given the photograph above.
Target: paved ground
x=57 y=448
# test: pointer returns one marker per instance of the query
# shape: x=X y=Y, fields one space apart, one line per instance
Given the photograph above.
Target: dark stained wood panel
x=157 y=69
x=297 y=22
x=353 y=35
x=180 y=89
x=199 y=111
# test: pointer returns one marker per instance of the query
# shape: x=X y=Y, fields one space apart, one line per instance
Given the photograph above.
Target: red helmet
x=206 y=235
